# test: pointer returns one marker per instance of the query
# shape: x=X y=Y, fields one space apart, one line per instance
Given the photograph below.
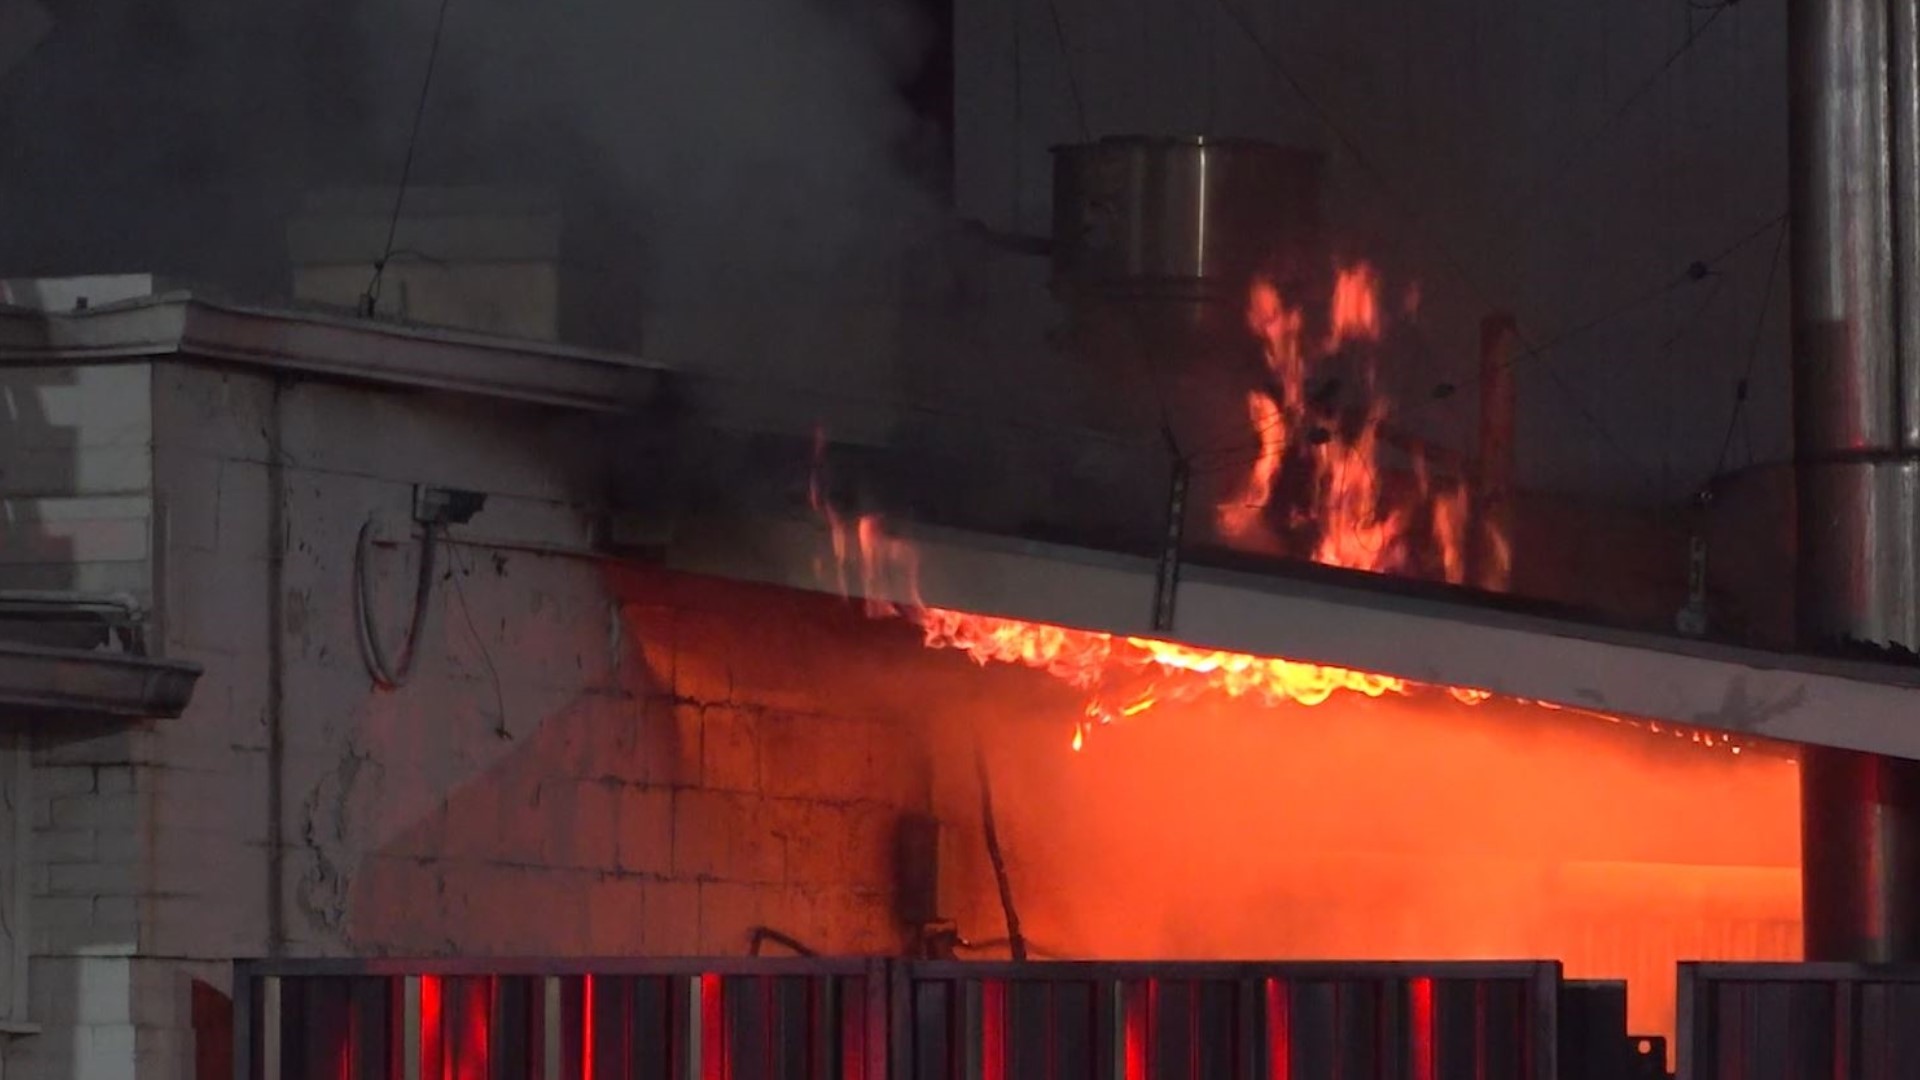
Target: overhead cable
x=370 y=300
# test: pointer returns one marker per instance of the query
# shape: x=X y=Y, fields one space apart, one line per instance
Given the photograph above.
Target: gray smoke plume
x=697 y=140
x=738 y=139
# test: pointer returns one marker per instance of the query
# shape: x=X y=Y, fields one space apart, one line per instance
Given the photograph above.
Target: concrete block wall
x=84 y=910
x=76 y=494
x=586 y=760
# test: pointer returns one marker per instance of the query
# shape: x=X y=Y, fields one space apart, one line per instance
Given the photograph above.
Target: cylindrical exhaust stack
x=1156 y=242
x=1180 y=219
x=1855 y=176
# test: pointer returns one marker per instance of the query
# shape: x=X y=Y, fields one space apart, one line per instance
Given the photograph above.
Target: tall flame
x=1356 y=306
x=1245 y=514
x=1356 y=523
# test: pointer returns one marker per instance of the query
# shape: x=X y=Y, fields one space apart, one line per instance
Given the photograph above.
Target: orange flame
x=1359 y=525
x=1124 y=676
x=1091 y=660
x=1499 y=568
x=1127 y=676
x=1449 y=527
x=1356 y=306
x=1357 y=529
x=1279 y=326
x=1244 y=514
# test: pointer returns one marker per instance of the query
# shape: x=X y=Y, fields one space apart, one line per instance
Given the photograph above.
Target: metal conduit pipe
x=1854 y=70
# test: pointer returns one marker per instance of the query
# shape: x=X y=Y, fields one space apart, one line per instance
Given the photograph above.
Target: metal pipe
x=1860 y=841
x=1839 y=180
x=1904 y=101
x=1854 y=174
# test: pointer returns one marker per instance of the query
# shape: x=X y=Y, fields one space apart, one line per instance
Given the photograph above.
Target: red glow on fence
x=586 y=1027
x=713 y=1030
x=993 y=1029
x=853 y=1033
x=1138 y=1007
x=1420 y=1002
x=1279 y=1031
x=432 y=1051
x=476 y=1012
x=343 y=1061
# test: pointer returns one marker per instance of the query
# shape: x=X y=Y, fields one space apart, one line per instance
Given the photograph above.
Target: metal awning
x=329 y=346
x=1369 y=627
x=87 y=684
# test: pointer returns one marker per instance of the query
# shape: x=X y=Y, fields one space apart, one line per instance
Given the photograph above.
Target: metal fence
x=1798 y=1021
x=1278 y=1021
x=871 y=1020
x=344 y=1020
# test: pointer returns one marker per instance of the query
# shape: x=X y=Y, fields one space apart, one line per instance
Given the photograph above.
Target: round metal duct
x=1189 y=218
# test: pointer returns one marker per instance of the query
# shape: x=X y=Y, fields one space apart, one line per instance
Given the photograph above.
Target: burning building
x=464 y=693
x=508 y=707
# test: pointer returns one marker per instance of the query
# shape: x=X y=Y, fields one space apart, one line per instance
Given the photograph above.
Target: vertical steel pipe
x=1854 y=67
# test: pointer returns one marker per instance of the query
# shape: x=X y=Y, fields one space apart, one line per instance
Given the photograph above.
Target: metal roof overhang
x=1366 y=626
x=329 y=346
x=78 y=683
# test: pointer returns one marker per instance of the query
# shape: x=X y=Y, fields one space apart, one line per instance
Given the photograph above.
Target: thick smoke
x=694 y=142
x=742 y=141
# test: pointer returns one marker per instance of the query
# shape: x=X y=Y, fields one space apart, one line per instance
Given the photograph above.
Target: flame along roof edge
x=1363 y=625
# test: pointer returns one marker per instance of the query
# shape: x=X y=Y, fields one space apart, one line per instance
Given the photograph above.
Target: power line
x=1696 y=271
x=371 y=299
x=1066 y=65
x=1640 y=91
x=1666 y=357
x=1753 y=352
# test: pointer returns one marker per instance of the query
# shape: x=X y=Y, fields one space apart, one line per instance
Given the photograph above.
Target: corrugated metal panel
x=1797 y=1021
